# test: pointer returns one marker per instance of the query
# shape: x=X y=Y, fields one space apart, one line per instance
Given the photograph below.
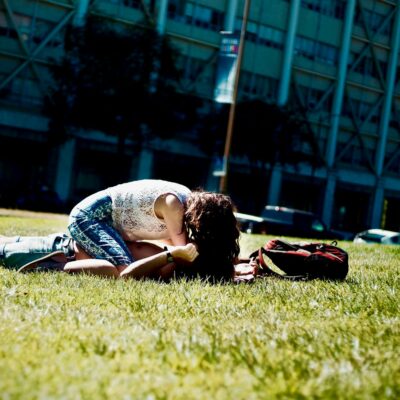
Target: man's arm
x=93 y=267
x=149 y=265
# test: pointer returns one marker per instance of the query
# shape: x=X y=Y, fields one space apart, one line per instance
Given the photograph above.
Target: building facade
x=338 y=59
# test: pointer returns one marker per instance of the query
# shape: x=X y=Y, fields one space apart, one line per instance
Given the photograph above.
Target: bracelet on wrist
x=170 y=258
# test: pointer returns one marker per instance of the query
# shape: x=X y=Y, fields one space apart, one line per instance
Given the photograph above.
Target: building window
x=191 y=67
x=23 y=23
x=366 y=65
x=348 y=109
x=271 y=37
x=23 y=91
x=132 y=3
x=262 y=34
x=251 y=31
x=364 y=109
x=394 y=122
x=356 y=155
x=126 y=3
x=394 y=165
x=313 y=96
x=374 y=21
x=361 y=110
x=326 y=53
x=305 y=47
x=43 y=29
x=257 y=86
x=314 y=50
x=332 y=8
x=5 y=29
x=195 y=14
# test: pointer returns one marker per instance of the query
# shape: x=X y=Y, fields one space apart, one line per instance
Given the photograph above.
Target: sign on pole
x=227 y=68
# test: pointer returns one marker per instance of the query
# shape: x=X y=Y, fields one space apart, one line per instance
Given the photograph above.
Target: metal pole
x=229 y=131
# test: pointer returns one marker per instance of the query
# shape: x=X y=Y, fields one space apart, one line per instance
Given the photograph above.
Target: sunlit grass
x=85 y=337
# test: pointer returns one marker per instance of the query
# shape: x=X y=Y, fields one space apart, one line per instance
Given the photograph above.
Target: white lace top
x=133 y=207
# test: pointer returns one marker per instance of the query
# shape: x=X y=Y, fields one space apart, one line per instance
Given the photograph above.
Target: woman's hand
x=245 y=272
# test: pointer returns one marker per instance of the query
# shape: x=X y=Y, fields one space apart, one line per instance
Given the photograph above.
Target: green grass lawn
x=84 y=337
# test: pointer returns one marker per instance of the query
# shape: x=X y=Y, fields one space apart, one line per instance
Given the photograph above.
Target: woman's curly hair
x=211 y=224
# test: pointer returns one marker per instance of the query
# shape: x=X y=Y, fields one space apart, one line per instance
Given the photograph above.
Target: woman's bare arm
x=171 y=210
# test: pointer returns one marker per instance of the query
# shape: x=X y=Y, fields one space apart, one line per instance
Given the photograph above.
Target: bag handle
x=257 y=256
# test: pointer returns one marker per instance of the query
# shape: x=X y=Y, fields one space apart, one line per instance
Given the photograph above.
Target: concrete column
x=275 y=185
x=145 y=167
x=213 y=177
x=230 y=15
x=64 y=168
x=389 y=90
x=160 y=26
x=329 y=199
x=377 y=205
x=212 y=184
x=66 y=151
x=162 y=16
x=81 y=10
x=340 y=84
x=284 y=83
x=336 y=112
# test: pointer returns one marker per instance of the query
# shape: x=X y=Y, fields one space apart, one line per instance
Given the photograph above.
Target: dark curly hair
x=211 y=224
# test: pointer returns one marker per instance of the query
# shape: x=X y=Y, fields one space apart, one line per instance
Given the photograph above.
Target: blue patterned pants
x=90 y=224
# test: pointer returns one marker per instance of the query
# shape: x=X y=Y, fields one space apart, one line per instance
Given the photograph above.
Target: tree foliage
x=117 y=81
x=265 y=133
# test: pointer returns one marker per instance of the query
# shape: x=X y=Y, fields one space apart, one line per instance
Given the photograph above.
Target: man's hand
x=187 y=253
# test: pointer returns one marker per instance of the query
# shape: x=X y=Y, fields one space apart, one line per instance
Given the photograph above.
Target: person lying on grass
x=154 y=209
x=59 y=252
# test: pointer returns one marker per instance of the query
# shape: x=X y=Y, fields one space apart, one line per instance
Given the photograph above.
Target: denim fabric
x=90 y=224
x=26 y=249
